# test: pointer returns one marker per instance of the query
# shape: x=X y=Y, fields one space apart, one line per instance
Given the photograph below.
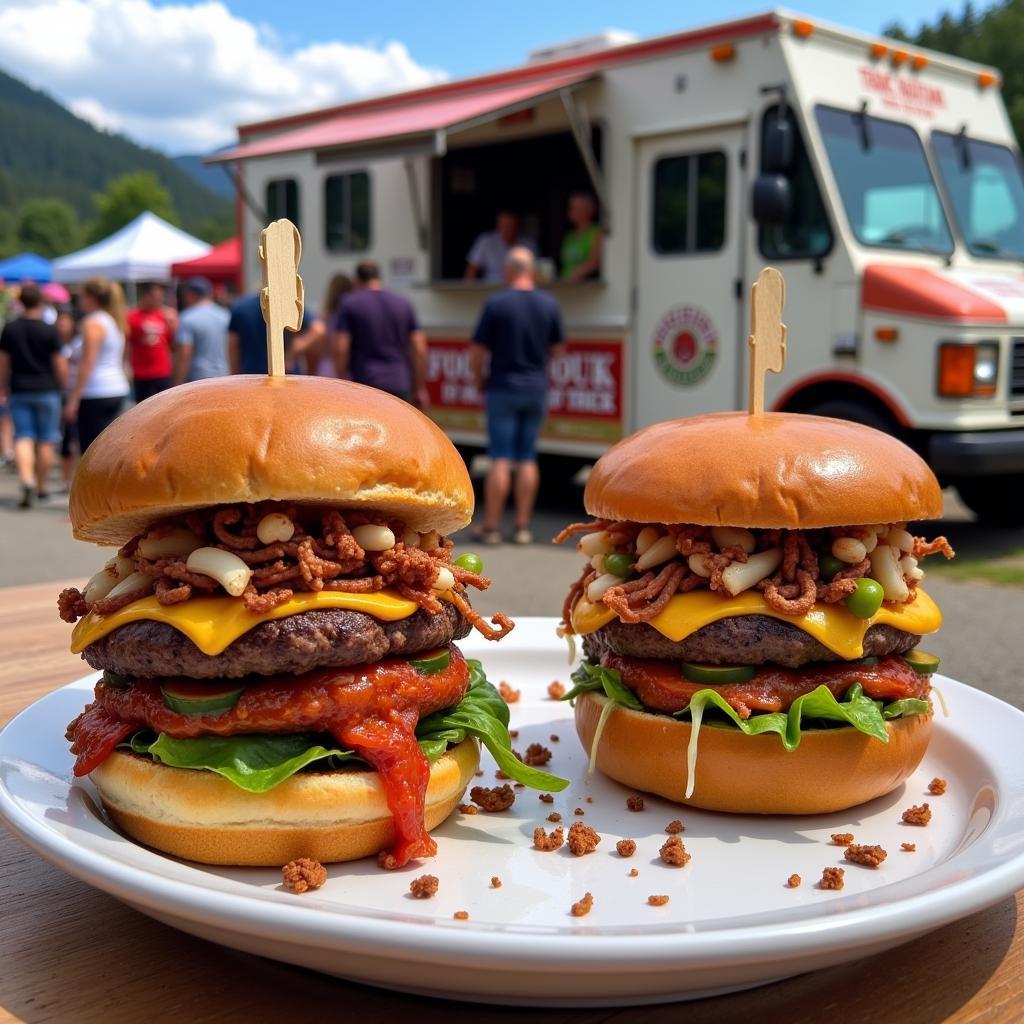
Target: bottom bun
x=329 y=816
x=831 y=770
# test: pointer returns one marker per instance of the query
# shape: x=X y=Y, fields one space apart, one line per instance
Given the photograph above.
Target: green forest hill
x=64 y=183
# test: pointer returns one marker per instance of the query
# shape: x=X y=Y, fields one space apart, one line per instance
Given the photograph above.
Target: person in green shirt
x=581 y=246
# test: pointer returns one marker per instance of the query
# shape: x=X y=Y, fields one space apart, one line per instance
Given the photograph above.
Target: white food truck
x=882 y=179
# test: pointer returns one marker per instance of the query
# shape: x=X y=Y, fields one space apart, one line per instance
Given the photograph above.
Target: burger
x=275 y=632
x=750 y=611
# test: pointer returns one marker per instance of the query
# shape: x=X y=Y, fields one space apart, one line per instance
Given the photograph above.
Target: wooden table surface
x=71 y=954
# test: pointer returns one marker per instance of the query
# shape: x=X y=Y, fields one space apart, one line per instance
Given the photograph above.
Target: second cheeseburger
x=275 y=631
x=750 y=610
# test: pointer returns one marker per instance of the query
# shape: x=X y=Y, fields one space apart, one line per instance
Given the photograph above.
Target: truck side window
x=347 y=212
x=806 y=233
x=689 y=197
x=283 y=200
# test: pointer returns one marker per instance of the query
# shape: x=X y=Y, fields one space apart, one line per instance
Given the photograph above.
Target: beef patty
x=740 y=640
x=325 y=638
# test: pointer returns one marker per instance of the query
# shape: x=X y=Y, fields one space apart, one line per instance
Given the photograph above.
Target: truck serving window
x=983 y=182
x=347 y=212
x=886 y=185
x=688 y=214
x=283 y=200
x=807 y=233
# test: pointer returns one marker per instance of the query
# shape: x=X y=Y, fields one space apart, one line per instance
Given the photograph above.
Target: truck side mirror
x=777 y=146
x=771 y=199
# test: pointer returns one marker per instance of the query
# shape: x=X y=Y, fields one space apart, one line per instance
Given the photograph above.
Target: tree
x=216 y=229
x=125 y=198
x=48 y=227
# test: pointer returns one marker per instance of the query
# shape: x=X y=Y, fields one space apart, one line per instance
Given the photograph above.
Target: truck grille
x=1017 y=369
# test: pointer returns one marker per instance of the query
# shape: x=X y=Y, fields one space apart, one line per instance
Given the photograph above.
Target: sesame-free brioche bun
x=329 y=816
x=227 y=440
x=771 y=471
x=831 y=770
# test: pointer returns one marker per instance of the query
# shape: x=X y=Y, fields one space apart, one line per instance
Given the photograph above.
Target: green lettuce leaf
x=905 y=708
x=589 y=677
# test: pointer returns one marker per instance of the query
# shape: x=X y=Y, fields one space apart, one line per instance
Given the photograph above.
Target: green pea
x=866 y=599
x=829 y=565
x=617 y=563
x=470 y=562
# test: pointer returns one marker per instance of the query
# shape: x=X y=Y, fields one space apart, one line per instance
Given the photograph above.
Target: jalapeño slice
x=188 y=698
x=116 y=679
x=715 y=675
x=923 y=664
x=432 y=661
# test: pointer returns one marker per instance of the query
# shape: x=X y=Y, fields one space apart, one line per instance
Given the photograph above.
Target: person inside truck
x=581 y=246
x=486 y=259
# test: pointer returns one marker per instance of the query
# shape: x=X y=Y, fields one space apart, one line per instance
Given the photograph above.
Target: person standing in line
x=98 y=395
x=201 y=345
x=33 y=370
x=151 y=331
x=486 y=259
x=520 y=329
x=315 y=347
x=247 y=336
x=581 y=247
x=71 y=349
x=377 y=339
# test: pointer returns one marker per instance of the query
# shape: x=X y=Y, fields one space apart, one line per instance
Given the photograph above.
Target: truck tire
x=858 y=412
x=995 y=500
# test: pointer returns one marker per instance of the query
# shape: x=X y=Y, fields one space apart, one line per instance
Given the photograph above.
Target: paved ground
x=981 y=642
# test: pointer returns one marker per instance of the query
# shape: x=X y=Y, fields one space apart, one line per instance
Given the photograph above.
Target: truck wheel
x=996 y=500
x=847 y=409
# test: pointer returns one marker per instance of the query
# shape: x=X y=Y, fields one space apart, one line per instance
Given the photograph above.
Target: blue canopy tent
x=26 y=266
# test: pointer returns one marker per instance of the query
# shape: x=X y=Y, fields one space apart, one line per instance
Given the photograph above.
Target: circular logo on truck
x=685 y=345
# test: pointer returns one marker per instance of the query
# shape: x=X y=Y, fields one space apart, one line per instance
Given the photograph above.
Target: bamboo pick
x=767 y=338
x=281 y=297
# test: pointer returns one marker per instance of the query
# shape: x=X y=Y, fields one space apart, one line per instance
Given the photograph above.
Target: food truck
x=884 y=181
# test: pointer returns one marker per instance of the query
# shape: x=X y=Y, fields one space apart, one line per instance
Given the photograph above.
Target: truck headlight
x=968 y=370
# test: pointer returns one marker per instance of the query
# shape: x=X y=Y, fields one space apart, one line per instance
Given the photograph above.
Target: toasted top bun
x=773 y=471
x=310 y=440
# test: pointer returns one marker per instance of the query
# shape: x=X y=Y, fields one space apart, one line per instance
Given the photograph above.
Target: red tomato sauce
x=661 y=685
x=373 y=710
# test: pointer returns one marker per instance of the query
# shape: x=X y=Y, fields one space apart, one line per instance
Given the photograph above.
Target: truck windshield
x=885 y=182
x=985 y=189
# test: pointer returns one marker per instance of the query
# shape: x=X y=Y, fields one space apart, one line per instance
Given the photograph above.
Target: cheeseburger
x=275 y=632
x=750 y=611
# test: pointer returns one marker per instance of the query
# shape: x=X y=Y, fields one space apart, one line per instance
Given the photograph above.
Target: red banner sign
x=902 y=93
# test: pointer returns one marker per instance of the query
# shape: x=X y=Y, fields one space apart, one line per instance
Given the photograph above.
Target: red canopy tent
x=221 y=265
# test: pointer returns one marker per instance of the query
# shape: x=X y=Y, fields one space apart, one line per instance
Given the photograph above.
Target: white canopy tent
x=141 y=251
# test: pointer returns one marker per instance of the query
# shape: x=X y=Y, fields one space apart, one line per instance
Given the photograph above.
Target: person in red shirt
x=151 y=329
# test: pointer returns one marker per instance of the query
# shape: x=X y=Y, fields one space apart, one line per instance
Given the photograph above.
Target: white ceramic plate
x=731 y=922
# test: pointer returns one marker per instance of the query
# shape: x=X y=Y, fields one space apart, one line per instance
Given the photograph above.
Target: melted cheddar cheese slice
x=831 y=625
x=214 y=623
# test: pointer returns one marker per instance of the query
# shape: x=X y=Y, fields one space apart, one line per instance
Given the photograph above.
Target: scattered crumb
x=424 y=887
x=556 y=690
x=548 y=841
x=625 y=847
x=496 y=798
x=842 y=838
x=937 y=787
x=657 y=901
x=793 y=881
x=553 y=737
x=479 y=774
x=590 y=799
x=519 y=785
x=536 y=755
x=461 y=915
x=633 y=873
x=582 y=907
x=673 y=852
x=546 y=798
x=908 y=847
x=869 y=856
x=467 y=808
x=635 y=802
x=674 y=827
x=831 y=878
x=513 y=734
x=303 y=874
x=499 y=774
x=554 y=816
x=578 y=811
x=495 y=882
x=919 y=814
x=508 y=695
x=582 y=839
x=387 y=860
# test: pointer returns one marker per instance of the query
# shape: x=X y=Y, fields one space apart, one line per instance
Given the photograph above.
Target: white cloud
x=181 y=77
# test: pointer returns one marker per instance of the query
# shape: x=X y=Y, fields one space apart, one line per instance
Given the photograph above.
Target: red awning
x=409 y=121
x=223 y=263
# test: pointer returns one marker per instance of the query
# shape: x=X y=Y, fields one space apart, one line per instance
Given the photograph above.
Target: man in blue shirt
x=247 y=335
x=520 y=329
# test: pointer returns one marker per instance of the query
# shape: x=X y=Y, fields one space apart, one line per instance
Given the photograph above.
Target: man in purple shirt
x=377 y=339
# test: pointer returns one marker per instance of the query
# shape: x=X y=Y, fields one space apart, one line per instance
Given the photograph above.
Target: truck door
x=689 y=217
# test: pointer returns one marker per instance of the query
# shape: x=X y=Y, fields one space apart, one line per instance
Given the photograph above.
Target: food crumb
x=467 y=808
x=556 y=690
x=831 y=878
x=495 y=798
x=424 y=887
x=793 y=881
x=869 y=856
x=513 y=734
x=674 y=827
x=633 y=873
x=479 y=774
x=536 y=755
x=495 y=882
x=508 y=695
x=635 y=802
x=908 y=847
x=582 y=907
x=582 y=839
x=657 y=901
x=578 y=811
x=548 y=841
x=842 y=838
x=625 y=847
x=554 y=816
x=461 y=915
x=937 y=787
x=303 y=874
x=546 y=798
x=519 y=785
x=553 y=737
x=919 y=814
x=590 y=799
x=673 y=852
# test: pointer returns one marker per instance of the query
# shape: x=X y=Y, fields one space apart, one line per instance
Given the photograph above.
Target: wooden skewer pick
x=767 y=338
x=281 y=298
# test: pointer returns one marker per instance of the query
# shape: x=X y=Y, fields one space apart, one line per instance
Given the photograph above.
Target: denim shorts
x=36 y=415
x=514 y=419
